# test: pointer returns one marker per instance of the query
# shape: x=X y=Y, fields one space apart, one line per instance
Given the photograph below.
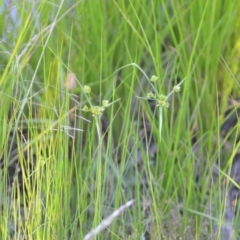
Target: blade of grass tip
x=230 y=72
x=141 y=70
x=108 y=221
x=201 y=214
x=134 y=65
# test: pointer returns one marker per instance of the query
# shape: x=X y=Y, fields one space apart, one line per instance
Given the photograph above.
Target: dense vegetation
x=124 y=107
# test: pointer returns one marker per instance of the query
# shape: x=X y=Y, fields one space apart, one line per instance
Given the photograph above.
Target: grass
x=130 y=173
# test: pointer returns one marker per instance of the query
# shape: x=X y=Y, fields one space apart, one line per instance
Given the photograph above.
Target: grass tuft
x=97 y=142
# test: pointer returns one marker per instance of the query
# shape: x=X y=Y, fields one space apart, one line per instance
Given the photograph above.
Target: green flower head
x=162 y=98
x=162 y=103
x=97 y=111
x=86 y=89
x=176 y=88
x=85 y=108
x=151 y=95
x=105 y=103
x=154 y=79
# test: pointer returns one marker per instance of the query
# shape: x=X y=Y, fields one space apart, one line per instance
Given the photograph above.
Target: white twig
x=108 y=221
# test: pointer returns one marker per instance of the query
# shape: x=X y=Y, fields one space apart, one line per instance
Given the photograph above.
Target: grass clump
x=86 y=149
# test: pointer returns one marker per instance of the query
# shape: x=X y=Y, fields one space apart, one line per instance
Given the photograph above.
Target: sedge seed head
x=105 y=103
x=85 y=108
x=154 y=79
x=176 y=88
x=151 y=95
x=161 y=103
x=163 y=98
x=86 y=89
x=97 y=111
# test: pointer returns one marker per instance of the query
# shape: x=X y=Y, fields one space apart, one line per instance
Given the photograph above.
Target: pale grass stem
x=108 y=221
